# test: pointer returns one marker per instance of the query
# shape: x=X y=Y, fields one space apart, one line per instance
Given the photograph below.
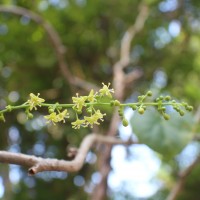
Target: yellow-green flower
x=35 y=101
x=105 y=91
x=52 y=117
x=79 y=102
x=93 y=119
x=98 y=115
x=78 y=123
x=62 y=115
x=91 y=97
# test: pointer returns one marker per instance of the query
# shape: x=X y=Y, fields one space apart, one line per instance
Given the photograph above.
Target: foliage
x=91 y=31
x=159 y=134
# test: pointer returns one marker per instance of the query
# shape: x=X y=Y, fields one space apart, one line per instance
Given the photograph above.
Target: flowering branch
x=59 y=113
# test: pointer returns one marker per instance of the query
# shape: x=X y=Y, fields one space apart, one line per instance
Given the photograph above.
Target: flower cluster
x=88 y=102
x=105 y=91
x=87 y=115
x=142 y=107
x=161 y=102
x=88 y=121
x=54 y=117
x=79 y=102
x=34 y=101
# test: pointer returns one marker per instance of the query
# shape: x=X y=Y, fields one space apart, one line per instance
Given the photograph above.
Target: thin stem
x=25 y=105
x=58 y=105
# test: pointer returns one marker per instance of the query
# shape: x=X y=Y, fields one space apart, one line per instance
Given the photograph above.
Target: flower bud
x=134 y=107
x=166 y=116
x=9 y=108
x=116 y=103
x=161 y=97
x=181 y=112
x=141 y=110
x=125 y=122
x=149 y=93
x=168 y=98
x=2 y=118
x=190 y=108
x=30 y=115
x=51 y=110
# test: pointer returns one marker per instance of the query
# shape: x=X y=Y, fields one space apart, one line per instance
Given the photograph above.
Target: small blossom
x=94 y=119
x=91 y=97
x=62 y=115
x=79 y=102
x=52 y=118
x=2 y=118
x=78 y=123
x=105 y=91
x=35 y=101
x=99 y=115
x=91 y=121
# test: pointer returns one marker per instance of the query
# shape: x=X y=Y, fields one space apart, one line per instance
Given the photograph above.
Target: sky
x=135 y=171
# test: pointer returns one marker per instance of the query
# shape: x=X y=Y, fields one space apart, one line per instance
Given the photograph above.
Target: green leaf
x=166 y=137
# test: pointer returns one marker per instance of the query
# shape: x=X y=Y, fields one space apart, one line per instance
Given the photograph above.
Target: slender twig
x=182 y=178
x=71 y=105
x=133 y=76
x=56 y=42
x=38 y=164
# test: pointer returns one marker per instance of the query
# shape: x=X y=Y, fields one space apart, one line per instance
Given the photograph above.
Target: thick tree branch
x=38 y=164
x=120 y=78
x=182 y=178
x=133 y=76
x=55 y=40
x=120 y=82
x=130 y=34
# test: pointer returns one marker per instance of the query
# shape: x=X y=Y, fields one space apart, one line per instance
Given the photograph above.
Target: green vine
x=87 y=104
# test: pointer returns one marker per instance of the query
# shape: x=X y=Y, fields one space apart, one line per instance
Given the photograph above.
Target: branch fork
x=38 y=164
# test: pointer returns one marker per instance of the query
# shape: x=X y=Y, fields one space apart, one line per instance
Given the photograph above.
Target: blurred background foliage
x=167 y=50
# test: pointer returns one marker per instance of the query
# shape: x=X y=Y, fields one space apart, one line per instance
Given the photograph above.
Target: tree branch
x=132 y=76
x=38 y=164
x=120 y=82
x=130 y=34
x=55 y=40
x=120 y=78
x=182 y=178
